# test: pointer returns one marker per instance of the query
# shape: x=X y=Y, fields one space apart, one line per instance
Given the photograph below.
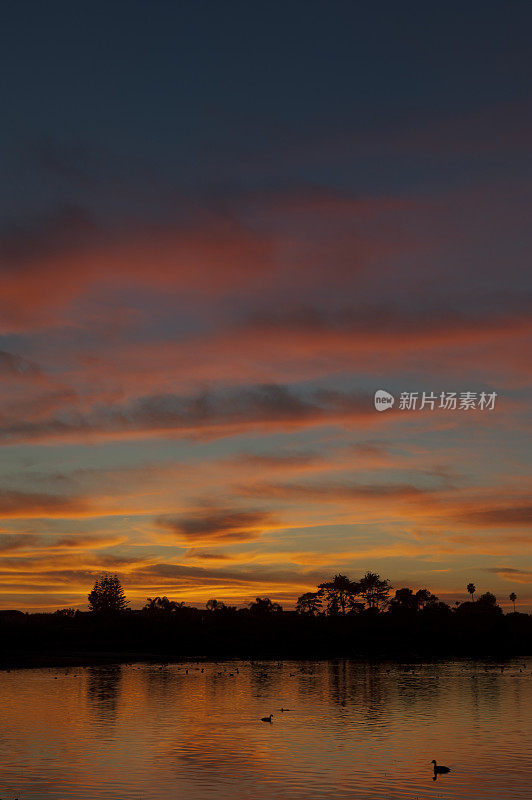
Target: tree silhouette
x=425 y=598
x=214 y=605
x=488 y=603
x=339 y=594
x=219 y=607
x=67 y=613
x=162 y=605
x=415 y=622
x=263 y=605
x=406 y=600
x=152 y=604
x=374 y=590
x=309 y=603
x=471 y=588
x=107 y=596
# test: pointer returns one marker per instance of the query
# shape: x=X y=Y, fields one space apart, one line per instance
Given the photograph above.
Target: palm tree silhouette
x=162 y=605
x=513 y=598
x=471 y=588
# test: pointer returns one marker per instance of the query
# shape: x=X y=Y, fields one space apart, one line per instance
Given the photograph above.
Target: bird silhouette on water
x=439 y=770
x=266 y=719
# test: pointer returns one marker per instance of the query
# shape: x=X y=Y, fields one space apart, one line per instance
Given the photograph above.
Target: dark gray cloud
x=17 y=541
x=12 y=365
x=208 y=413
x=81 y=541
x=333 y=492
x=195 y=552
x=507 y=570
x=21 y=504
x=435 y=319
x=285 y=460
x=218 y=525
x=183 y=576
x=26 y=570
x=63 y=228
x=500 y=515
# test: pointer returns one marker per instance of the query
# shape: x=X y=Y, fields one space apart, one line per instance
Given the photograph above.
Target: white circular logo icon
x=383 y=400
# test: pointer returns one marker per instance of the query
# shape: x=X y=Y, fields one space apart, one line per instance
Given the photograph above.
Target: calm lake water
x=151 y=732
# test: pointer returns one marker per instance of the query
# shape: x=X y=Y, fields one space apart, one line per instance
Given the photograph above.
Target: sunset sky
x=224 y=226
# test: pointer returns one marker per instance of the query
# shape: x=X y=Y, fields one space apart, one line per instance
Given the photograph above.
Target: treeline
x=339 y=596
x=342 y=618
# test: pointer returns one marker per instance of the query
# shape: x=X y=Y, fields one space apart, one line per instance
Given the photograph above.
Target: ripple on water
x=355 y=730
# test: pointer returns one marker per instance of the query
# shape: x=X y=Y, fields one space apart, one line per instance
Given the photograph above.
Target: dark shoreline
x=23 y=661
x=189 y=634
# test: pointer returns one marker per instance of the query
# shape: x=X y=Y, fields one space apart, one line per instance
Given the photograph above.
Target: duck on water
x=439 y=769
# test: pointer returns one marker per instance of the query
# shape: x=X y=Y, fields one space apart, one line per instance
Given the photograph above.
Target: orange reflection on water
x=354 y=730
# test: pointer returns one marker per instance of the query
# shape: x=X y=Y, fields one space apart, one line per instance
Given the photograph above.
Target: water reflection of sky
x=353 y=731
